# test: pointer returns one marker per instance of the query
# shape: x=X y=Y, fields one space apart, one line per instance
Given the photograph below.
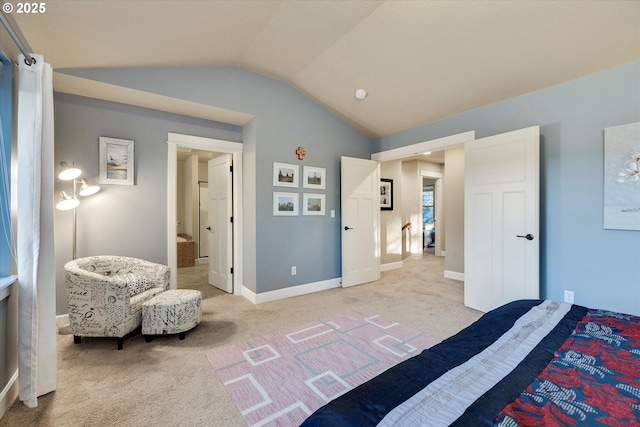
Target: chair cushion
x=136 y=283
x=136 y=301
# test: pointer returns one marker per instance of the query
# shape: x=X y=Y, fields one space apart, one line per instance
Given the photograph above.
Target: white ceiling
x=420 y=61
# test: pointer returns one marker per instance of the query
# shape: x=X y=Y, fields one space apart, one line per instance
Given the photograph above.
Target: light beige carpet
x=169 y=382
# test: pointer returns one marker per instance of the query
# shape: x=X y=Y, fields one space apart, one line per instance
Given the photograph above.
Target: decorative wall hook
x=301 y=153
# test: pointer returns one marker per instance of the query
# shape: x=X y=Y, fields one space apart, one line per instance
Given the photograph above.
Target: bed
x=527 y=363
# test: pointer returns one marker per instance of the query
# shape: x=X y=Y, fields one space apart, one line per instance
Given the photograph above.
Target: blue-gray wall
x=284 y=119
x=577 y=253
x=119 y=220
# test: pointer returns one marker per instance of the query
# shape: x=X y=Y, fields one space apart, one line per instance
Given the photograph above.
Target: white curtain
x=36 y=268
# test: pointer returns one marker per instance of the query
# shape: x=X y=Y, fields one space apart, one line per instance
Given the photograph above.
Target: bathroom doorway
x=190 y=144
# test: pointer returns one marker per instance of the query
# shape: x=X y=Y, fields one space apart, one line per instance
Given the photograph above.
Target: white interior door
x=501 y=225
x=220 y=232
x=360 y=187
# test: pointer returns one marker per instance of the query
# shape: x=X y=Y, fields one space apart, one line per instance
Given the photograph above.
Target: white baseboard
x=200 y=261
x=63 y=324
x=9 y=394
x=293 y=291
x=454 y=275
x=391 y=266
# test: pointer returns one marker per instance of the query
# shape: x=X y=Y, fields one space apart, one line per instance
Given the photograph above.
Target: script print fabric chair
x=105 y=294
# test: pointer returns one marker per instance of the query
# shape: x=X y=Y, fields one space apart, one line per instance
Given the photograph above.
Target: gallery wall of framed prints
x=287 y=202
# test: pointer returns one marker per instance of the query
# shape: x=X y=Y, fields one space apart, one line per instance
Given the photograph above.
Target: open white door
x=220 y=223
x=501 y=225
x=203 y=240
x=360 y=214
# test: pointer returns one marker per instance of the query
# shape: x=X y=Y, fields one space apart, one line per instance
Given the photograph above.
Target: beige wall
x=411 y=210
x=391 y=221
x=453 y=189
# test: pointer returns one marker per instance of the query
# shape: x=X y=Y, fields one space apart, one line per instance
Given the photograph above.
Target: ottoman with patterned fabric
x=172 y=312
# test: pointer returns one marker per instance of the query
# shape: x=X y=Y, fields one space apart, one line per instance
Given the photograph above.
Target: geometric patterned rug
x=282 y=378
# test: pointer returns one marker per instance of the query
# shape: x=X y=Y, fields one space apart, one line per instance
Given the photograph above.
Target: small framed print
x=285 y=175
x=386 y=194
x=285 y=204
x=116 y=161
x=313 y=204
x=313 y=177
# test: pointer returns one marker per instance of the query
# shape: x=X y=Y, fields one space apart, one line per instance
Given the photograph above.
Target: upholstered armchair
x=105 y=294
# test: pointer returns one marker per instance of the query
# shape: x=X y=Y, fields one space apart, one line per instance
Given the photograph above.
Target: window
x=427 y=205
x=5 y=165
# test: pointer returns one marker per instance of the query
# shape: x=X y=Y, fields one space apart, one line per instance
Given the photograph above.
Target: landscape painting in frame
x=622 y=177
x=314 y=177
x=116 y=161
x=313 y=204
x=285 y=175
x=285 y=204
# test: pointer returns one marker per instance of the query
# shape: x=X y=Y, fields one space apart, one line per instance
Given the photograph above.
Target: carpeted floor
x=169 y=382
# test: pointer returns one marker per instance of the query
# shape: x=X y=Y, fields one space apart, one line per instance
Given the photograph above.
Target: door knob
x=209 y=228
x=347 y=228
x=528 y=236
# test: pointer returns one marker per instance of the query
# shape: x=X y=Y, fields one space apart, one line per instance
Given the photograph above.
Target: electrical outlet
x=293 y=270
x=568 y=297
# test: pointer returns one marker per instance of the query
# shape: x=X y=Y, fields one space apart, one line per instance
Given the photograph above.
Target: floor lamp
x=67 y=202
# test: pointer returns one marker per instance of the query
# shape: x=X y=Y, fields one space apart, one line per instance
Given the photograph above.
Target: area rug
x=280 y=379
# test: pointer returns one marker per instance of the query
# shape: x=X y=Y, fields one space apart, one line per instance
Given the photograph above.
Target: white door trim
x=175 y=140
x=422 y=147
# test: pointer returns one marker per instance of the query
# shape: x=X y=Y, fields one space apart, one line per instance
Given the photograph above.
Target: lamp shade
x=87 y=189
x=67 y=202
x=68 y=172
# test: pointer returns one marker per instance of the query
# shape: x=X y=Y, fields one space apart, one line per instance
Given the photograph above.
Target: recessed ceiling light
x=361 y=94
x=427 y=153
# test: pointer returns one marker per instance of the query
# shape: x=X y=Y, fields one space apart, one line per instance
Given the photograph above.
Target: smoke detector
x=361 y=94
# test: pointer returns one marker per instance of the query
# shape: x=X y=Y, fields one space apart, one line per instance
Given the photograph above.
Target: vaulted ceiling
x=419 y=61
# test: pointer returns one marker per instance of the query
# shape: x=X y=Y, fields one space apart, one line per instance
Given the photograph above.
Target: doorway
x=500 y=178
x=453 y=235
x=176 y=142
x=429 y=216
x=433 y=219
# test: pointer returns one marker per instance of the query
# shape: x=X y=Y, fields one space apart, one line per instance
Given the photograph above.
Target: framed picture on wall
x=386 y=194
x=313 y=177
x=116 y=161
x=621 y=177
x=285 y=204
x=313 y=204
x=285 y=175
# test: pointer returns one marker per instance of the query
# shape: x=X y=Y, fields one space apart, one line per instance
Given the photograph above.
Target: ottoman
x=172 y=312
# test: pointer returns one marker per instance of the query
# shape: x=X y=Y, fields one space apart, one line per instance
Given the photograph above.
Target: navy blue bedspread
x=369 y=403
